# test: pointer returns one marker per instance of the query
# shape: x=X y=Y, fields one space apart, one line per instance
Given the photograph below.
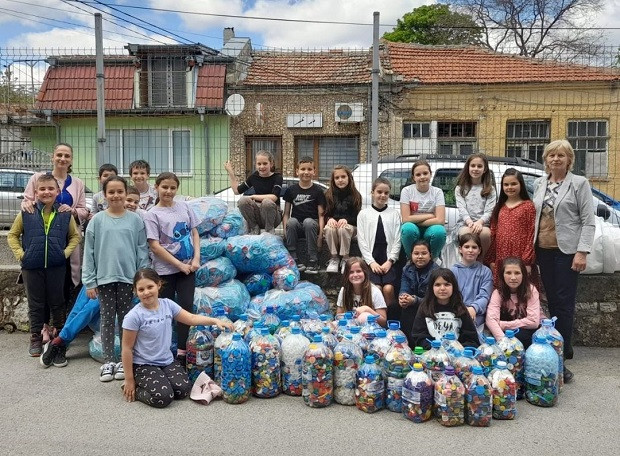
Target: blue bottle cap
x=540 y=339
x=348 y=336
x=380 y=333
x=236 y=336
x=394 y=325
x=449 y=336
x=468 y=353
x=355 y=329
x=258 y=324
x=285 y=323
x=218 y=311
x=490 y=340
x=501 y=365
x=399 y=338
x=324 y=317
x=296 y=330
x=509 y=333
x=342 y=322
x=476 y=370
x=372 y=318
x=269 y=309
x=317 y=338
x=435 y=343
x=348 y=315
x=369 y=359
x=264 y=331
x=547 y=322
x=325 y=330
x=243 y=317
x=296 y=318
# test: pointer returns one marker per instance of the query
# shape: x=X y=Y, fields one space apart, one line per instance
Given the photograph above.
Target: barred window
x=589 y=139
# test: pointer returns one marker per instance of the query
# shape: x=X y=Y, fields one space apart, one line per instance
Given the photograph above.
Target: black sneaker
x=313 y=268
x=36 y=344
x=49 y=353
x=568 y=375
x=60 y=360
x=181 y=361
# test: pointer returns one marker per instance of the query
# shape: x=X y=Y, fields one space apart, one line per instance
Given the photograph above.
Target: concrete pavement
x=68 y=411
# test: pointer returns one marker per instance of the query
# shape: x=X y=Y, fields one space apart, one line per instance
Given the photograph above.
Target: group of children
x=133 y=227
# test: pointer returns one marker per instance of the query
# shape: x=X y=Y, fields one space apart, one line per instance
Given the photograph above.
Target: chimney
x=229 y=32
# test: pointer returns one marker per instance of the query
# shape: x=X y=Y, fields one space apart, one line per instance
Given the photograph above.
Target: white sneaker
x=343 y=264
x=119 y=372
x=332 y=265
x=107 y=372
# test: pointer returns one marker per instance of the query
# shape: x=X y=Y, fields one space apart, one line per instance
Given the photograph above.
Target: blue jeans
x=434 y=234
x=84 y=310
x=560 y=283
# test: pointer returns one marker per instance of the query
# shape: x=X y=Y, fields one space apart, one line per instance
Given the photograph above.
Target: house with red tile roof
x=458 y=99
x=164 y=104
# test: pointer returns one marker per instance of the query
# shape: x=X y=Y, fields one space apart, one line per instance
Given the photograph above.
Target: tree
x=544 y=28
x=435 y=25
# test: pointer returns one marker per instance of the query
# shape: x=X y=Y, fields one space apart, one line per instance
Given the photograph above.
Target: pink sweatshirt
x=498 y=321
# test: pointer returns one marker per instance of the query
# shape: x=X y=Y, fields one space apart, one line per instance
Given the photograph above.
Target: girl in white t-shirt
x=423 y=211
x=359 y=294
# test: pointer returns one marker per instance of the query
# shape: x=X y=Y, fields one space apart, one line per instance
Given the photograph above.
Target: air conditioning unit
x=349 y=112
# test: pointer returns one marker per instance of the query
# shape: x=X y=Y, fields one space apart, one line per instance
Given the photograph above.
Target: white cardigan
x=367 y=221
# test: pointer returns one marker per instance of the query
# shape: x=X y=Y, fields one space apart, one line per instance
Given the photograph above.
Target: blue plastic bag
x=214 y=272
x=306 y=299
x=257 y=283
x=209 y=211
x=262 y=253
x=232 y=296
x=211 y=248
x=232 y=225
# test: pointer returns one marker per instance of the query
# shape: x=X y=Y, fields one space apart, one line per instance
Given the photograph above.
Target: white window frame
x=420 y=126
x=124 y=172
x=577 y=137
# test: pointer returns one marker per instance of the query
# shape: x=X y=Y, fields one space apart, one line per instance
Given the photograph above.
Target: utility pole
x=374 y=125
x=100 y=87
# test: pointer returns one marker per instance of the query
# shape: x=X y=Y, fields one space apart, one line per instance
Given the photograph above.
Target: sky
x=68 y=26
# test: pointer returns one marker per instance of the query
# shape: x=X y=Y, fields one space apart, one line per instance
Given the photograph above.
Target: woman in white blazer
x=564 y=233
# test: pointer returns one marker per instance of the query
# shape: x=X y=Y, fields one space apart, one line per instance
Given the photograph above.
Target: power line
x=48 y=7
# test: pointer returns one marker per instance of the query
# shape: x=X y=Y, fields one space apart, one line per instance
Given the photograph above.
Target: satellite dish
x=234 y=105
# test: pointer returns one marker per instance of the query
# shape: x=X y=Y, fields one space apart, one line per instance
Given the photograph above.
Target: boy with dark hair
x=140 y=171
x=308 y=204
x=47 y=239
x=99 y=202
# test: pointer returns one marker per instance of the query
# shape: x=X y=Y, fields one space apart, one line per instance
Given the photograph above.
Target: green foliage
x=435 y=25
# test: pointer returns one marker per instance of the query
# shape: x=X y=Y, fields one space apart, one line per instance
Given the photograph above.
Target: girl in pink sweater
x=515 y=304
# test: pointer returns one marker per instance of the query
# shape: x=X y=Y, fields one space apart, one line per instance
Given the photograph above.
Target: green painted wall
x=209 y=144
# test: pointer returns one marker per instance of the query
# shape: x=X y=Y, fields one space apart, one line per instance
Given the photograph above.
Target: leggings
x=183 y=285
x=157 y=386
x=114 y=301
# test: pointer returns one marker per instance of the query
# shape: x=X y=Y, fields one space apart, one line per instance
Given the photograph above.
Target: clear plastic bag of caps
x=253 y=332
x=271 y=320
x=435 y=360
x=199 y=356
x=221 y=315
x=258 y=283
x=394 y=330
x=504 y=392
x=236 y=371
x=417 y=355
x=515 y=356
x=293 y=349
x=311 y=326
x=222 y=341
x=211 y=248
x=379 y=346
x=329 y=339
x=285 y=278
x=370 y=386
x=266 y=355
x=541 y=373
x=479 y=399
x=489 y=353
x=264 y=253
x=283 y=331
x=418 y=390
x=213 y=272
x=317 y=374
x=342 y=329
x=451 y=345
x=209 y=212
x=464 y=364
x=450 y=399
x=547 y=328
x=243 y=325
x=397 y=365
x=233 y=224
x=347 y=360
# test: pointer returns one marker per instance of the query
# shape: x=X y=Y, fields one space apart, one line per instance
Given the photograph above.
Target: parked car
x=12 y=185
x=445 y=172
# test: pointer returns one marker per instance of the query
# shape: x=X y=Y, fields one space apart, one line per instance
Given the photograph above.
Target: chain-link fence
x=189 y=109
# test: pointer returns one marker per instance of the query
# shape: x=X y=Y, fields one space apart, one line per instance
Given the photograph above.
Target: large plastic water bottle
x=342 y=329
x=379 y=346
x=435 y=360
x=283 y=331
x=222 y=341
x=488 y=354
x=450 y=343
x=418 y=390
x=479 y=399
x=220 y=314
x=504 y=392
x=265 y=364
x=515 y=356
x=347 y=360
x=450 y=399
x=317 y=374
x=541 y=373
x=547 y=329
x=394 y=330
x=357 y=338
x=271 y=320
x=465 y=363
x=397 y=366
x=295 y=321
x=236 y=371
x=243 y=325
x=370 y=387
x=417 y=355
x=253 y=332
x=329 y=339
x=293 y=348
x=199 y=357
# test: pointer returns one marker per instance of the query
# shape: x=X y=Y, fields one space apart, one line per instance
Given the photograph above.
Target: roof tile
x=210 y=86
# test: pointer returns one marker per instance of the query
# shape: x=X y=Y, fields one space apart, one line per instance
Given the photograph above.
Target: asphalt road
x=68 y=411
